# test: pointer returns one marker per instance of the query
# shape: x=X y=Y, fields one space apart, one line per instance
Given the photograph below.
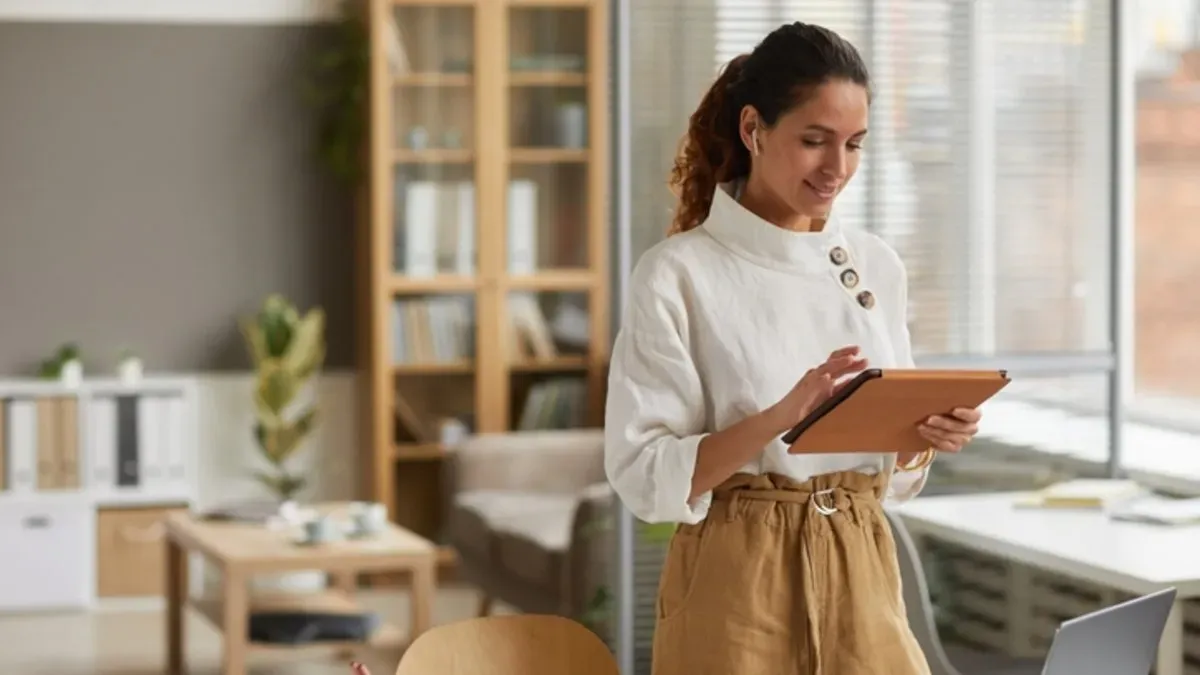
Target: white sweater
x=721 y=322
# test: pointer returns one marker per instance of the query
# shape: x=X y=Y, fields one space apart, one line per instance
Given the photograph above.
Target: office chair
x=524 y=644
x=920 y=618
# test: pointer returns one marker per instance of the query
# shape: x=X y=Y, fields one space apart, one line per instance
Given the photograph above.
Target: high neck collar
x=762 y=242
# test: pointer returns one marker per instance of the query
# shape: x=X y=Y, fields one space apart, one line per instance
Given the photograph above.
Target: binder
x=880 y=409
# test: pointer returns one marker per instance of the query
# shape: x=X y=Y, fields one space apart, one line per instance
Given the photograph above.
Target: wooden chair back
x=523 y=644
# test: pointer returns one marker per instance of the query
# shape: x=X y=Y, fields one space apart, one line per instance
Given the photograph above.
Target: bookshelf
x=484 y=262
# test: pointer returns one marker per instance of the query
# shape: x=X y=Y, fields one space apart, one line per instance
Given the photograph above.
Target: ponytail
x=711 y=152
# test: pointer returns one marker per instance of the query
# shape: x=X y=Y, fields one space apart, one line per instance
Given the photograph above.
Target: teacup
x=319 y=531
x=368 y=518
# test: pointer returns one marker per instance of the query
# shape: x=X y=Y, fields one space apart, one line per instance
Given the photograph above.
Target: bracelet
x=923 y=460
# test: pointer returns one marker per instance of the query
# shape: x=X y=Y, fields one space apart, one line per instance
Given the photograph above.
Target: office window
x=1167 y=137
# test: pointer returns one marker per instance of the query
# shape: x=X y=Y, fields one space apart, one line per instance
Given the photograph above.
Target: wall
x=157 y=181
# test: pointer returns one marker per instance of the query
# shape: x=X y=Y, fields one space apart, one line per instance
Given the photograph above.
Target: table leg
x=235 y=609
x=176 y=590
x=1170 y=647
x=424 y=588
x=346 y=582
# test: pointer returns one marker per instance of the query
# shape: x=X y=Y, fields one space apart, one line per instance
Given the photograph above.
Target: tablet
x=879 y=410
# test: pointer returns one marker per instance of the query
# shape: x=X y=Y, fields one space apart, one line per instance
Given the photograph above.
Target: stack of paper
x=1160 y=511
x=1083 y=493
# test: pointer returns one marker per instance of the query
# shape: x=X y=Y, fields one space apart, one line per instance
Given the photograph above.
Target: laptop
x=1118 y=640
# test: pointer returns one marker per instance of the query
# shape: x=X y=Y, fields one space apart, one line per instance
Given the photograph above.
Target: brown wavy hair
x=779 y=74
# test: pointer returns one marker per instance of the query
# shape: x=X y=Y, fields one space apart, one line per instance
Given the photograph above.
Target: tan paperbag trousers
x=786 y=578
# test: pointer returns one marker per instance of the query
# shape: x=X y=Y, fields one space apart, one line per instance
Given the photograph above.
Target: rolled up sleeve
x=654 y=419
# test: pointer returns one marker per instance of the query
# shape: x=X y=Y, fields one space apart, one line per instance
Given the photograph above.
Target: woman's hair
x=779 y=74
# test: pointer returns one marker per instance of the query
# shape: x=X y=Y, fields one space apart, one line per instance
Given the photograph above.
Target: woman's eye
x=811 y=142
x=854 y=146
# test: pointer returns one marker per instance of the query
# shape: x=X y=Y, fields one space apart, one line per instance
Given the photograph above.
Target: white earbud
x=754 y=142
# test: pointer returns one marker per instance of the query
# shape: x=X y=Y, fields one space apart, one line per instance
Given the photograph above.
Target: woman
x=737 y=325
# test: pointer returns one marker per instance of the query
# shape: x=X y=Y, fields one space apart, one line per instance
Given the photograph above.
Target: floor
x=129 y=641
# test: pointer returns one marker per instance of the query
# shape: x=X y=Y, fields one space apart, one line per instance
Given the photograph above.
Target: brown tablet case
x=880 y=409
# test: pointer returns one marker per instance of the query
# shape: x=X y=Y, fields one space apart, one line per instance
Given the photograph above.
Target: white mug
x=370 y=519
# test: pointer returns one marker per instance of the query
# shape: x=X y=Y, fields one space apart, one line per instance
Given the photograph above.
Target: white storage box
x=47 y=549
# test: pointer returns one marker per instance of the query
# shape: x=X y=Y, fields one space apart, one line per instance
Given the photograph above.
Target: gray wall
x=156 y=181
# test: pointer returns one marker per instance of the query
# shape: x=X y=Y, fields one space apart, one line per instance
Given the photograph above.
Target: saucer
x=357 y=534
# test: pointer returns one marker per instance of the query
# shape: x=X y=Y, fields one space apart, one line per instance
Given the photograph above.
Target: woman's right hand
x=817 y=385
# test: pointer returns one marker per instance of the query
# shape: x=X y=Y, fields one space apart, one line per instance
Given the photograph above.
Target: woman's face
x=813 y=150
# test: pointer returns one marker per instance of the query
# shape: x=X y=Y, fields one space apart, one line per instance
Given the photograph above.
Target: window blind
x=987 y=166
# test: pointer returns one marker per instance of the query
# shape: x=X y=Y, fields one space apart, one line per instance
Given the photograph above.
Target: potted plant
x=597 y=615
x=338 y=89
x=65 y=366
x=287 y=351
x=129 y=367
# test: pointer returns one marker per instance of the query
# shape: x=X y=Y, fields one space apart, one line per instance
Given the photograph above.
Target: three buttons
x=849 y=277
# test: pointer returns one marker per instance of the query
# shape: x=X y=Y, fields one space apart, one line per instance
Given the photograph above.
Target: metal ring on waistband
x=821 y=508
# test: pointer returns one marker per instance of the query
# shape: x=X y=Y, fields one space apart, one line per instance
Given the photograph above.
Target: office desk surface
x=1087 y=545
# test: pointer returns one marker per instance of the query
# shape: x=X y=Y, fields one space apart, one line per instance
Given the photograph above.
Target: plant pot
x=289 y=514
x=130 y=371
x=71 y=373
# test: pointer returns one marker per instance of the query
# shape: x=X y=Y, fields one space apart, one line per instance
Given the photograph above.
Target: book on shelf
x=435 y=227
x=436 y=231
x=411 y=424
x=397 y=53
x=433 y=330
x=531 y=335
x=558 y=403
x=522 y=227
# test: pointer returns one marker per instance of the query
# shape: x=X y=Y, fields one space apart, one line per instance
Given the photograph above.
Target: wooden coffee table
x=242 y=551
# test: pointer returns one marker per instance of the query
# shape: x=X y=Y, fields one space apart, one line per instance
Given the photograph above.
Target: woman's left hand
x=949 y=433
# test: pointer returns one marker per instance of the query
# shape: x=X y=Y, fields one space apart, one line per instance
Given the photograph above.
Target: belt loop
x=817 y=502
x=731 y=508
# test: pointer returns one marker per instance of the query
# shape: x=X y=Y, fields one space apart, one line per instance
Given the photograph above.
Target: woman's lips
x=825 y=191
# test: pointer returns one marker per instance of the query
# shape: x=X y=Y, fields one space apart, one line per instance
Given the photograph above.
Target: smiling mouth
x=824 y=192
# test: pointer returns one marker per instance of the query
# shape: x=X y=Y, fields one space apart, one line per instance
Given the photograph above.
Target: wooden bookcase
x=485 y=257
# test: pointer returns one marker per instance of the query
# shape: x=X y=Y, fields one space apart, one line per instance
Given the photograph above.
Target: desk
x=1086 y=545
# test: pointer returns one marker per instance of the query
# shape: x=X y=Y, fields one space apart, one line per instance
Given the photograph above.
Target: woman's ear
x=748 y=129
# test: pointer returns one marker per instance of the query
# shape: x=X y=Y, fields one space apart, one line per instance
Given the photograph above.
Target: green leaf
x=335 y=87
x=68 y=352
x=275 y=388
x=306 y=351
x=279 y=442
x=276 y=322
x=256 y=343
x=598 y=610
x=658 y=533
x=285 y=486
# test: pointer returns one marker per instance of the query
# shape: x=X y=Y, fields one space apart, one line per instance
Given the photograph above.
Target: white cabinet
x=48 y=546
x=68 y=452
